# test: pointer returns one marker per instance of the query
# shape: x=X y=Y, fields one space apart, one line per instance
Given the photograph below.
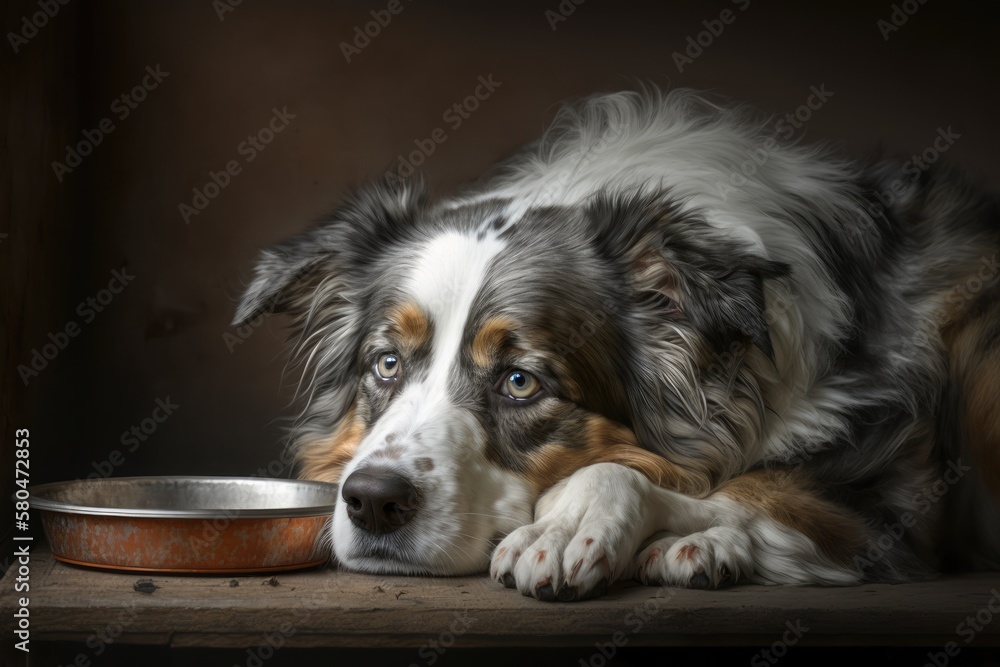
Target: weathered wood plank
x=334 y=608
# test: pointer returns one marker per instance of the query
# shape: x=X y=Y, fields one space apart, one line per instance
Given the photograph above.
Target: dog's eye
x=520 y=385
x=387 y=367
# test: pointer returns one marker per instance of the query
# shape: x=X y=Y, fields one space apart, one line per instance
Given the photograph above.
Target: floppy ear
x=341 y=246
x=318 y=277
x=682 y=267
x=731 y=302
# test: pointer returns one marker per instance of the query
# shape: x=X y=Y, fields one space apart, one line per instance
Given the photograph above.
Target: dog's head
x=456 y=363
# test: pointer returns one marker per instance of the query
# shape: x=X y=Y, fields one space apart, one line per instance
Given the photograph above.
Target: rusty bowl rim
x=49 y=505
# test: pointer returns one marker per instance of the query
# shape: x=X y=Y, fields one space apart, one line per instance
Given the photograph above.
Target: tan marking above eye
x=490 y=339
x=409 y=323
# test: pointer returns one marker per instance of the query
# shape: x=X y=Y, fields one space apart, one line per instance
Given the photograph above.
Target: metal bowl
x=187 y=524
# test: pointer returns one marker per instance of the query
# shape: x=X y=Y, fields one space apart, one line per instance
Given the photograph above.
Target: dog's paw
x=586 y=532
x=552 y=561
x=716 y=557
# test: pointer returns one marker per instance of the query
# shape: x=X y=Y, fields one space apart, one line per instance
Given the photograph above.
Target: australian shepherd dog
x=665 y=341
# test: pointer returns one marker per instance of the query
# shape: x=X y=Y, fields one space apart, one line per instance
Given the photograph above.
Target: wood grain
x=329 y=607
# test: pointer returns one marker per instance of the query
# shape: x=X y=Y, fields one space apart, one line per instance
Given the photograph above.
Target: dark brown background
x=163 y=336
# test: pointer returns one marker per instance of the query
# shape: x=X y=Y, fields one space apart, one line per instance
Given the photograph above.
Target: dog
x=666 y=341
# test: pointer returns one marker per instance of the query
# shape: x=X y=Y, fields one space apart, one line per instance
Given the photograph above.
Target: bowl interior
x=187 y=496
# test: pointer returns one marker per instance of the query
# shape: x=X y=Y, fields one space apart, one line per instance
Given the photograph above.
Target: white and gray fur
x=787 y=323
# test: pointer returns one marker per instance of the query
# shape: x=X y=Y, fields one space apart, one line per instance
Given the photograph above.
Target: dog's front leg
x=763 y=526
x=587 y=530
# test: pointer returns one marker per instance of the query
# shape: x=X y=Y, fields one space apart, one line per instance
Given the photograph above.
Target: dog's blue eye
x=521 y=385
x=388 y=366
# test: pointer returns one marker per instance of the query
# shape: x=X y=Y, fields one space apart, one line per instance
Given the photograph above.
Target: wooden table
x=326 y=607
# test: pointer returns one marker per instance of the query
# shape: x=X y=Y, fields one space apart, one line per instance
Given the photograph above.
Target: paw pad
x=699 y=580
x=545 y=591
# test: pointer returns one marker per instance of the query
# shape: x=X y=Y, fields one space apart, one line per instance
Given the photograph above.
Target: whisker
x=472 y=537
x=445 y=552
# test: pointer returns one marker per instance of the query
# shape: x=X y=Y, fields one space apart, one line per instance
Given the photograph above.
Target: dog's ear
x=730 y=301
x=680 y=266
x=342 y=245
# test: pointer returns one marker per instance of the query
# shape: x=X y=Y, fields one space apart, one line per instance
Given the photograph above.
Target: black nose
x=379 y=501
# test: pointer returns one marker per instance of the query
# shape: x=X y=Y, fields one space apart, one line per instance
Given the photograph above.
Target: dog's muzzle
x=379 y=501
